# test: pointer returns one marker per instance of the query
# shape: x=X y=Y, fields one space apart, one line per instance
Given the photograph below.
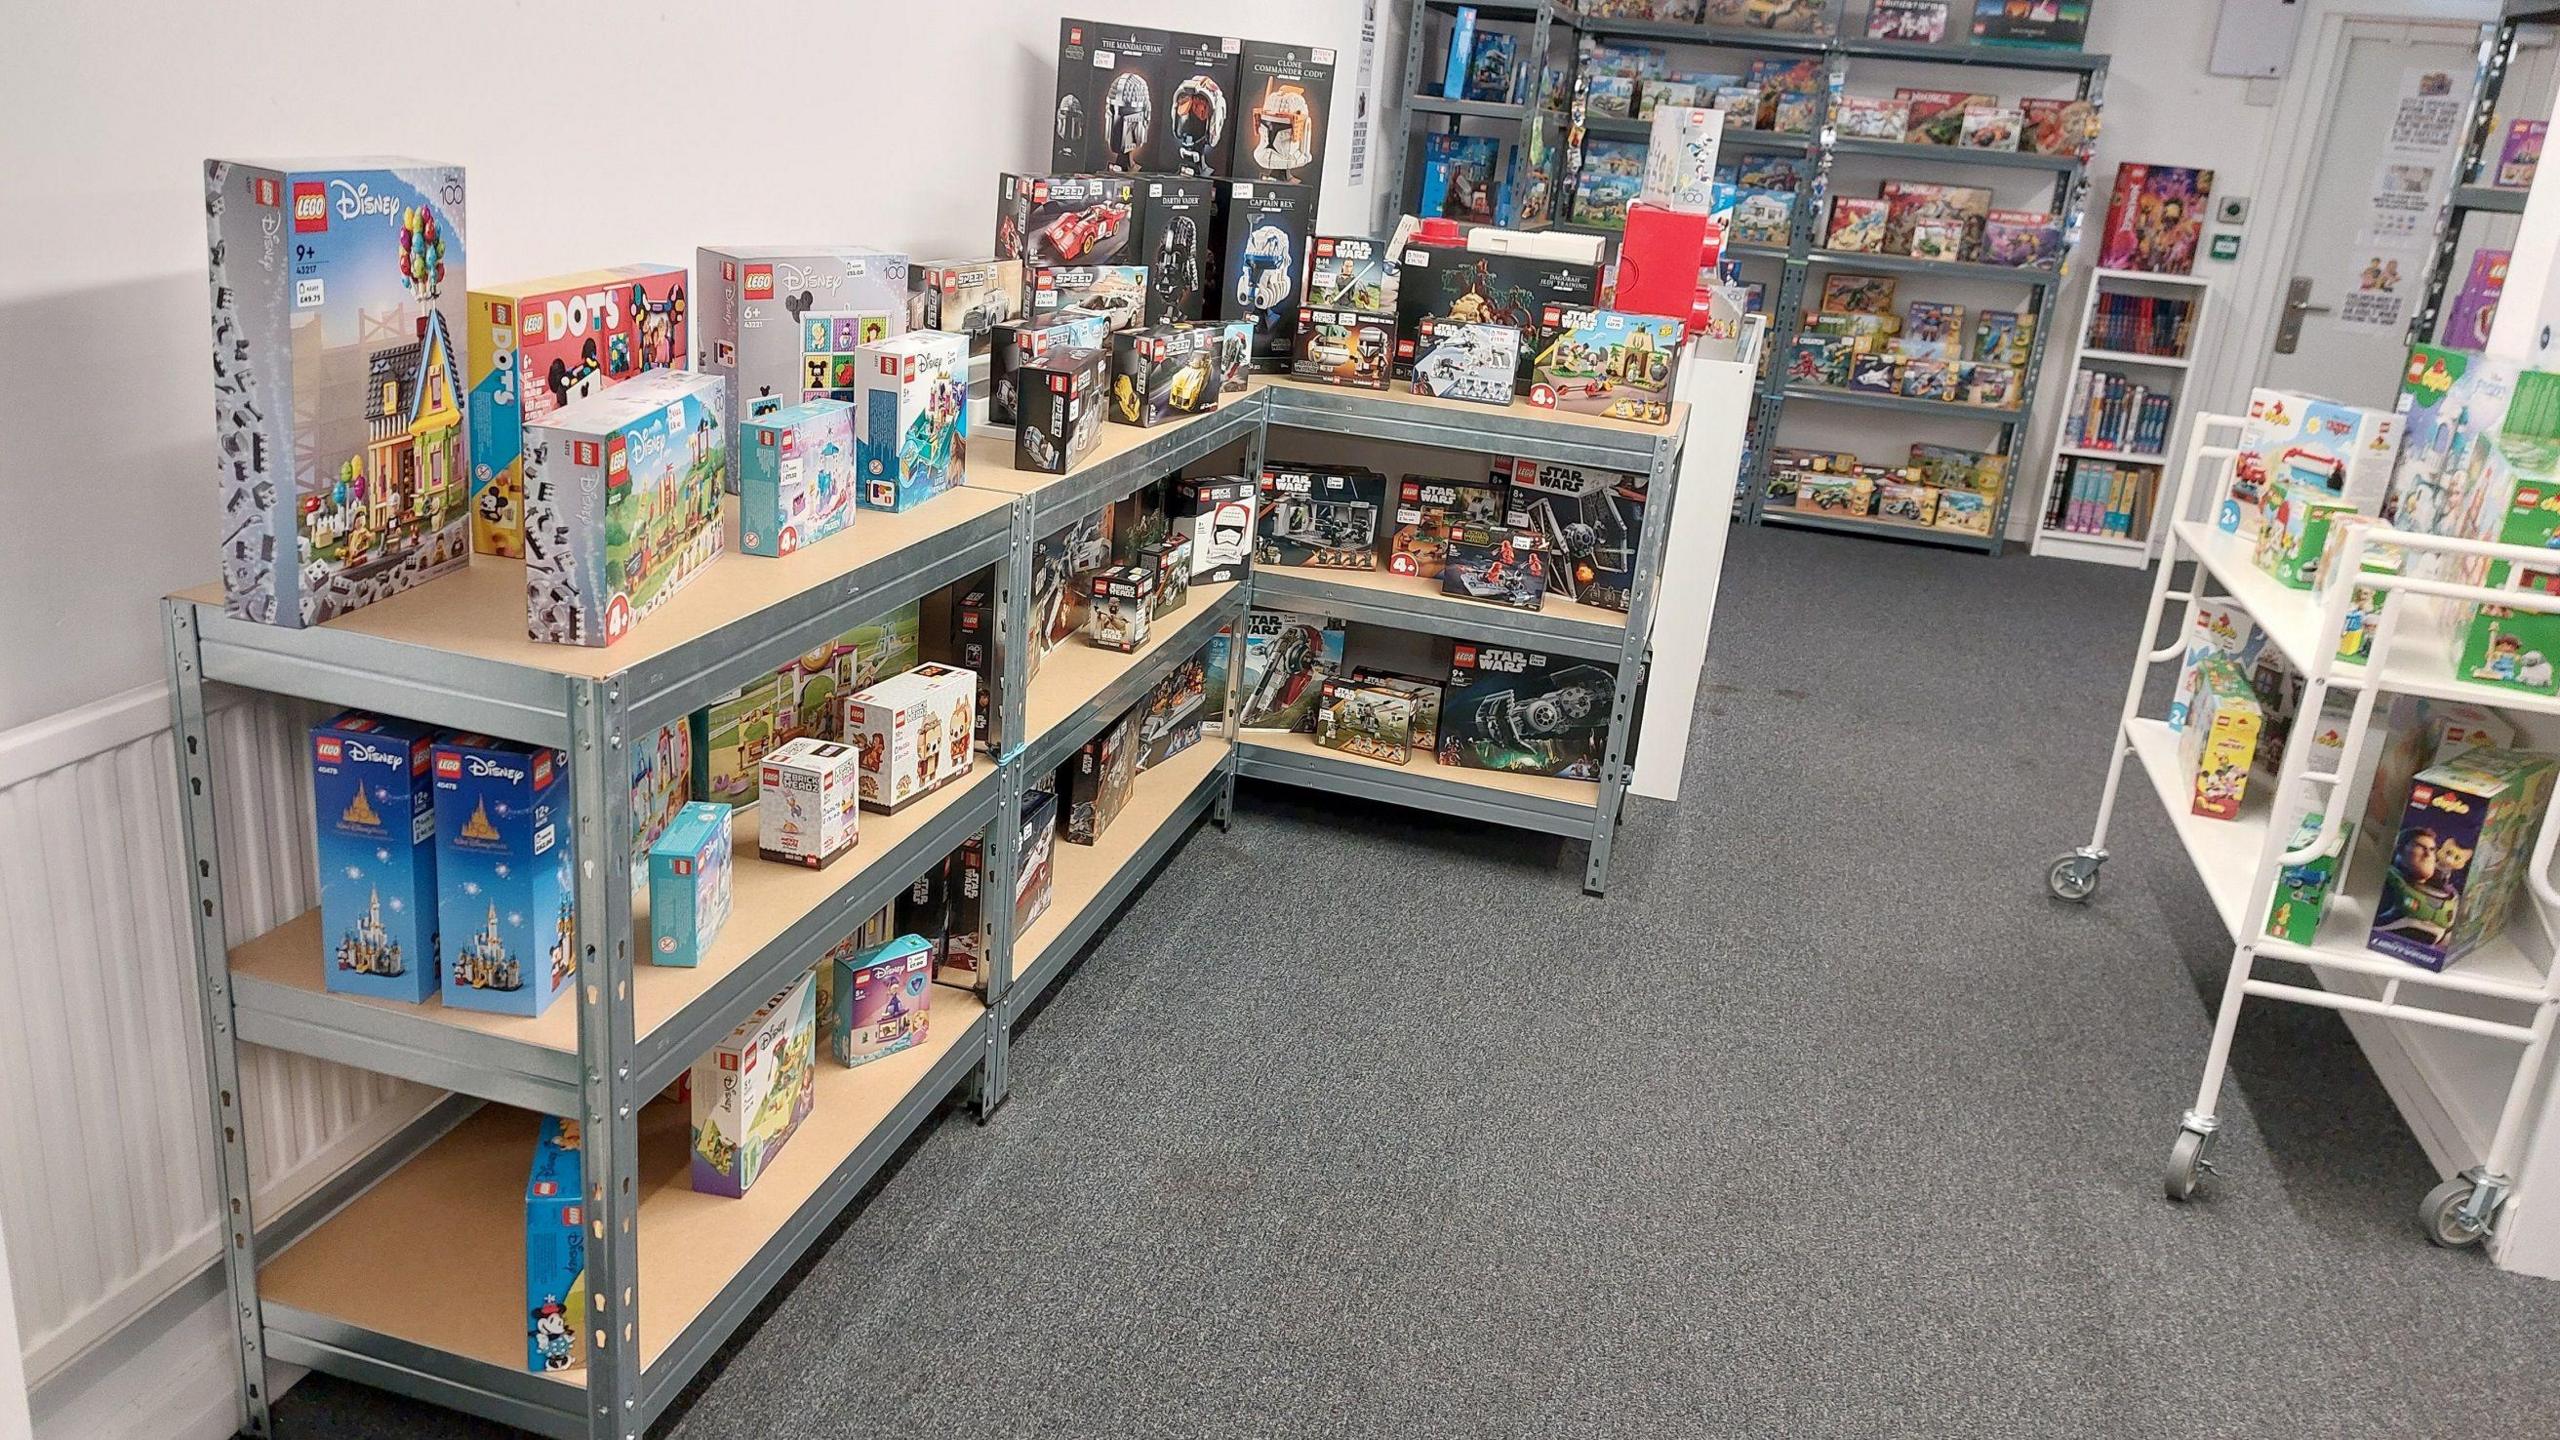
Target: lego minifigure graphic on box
x=1123 y=606
x=1170 y=558
x=375 y=832
x=1169 y=718
x=1592 y=522
x=506 y=907
x=1496 y=564
x=1215 y=513
x=797 y=486
x=1602 y=362
x=621 y=504
x=1453 y=361
x=1427 y=509
x=1351 y=273
x=807 y=792
x=1340 y=347
x=1096 y=782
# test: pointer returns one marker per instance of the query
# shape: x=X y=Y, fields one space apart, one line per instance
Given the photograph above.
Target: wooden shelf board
x=1461 y=412
x=1382 y=581
x=1543 y=787
x=1080 y=872
x=1077 y=671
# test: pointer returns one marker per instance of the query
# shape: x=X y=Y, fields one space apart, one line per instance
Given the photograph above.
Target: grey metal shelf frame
x=594 y=706
x=2469 y=197
x=1528 y=122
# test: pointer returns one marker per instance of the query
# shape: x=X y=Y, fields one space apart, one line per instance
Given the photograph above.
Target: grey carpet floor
x=1828 y=1122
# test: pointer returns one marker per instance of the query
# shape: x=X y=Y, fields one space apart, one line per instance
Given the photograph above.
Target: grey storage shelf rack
x=2469 y=198
x=389 y=1274
x=1545 y=19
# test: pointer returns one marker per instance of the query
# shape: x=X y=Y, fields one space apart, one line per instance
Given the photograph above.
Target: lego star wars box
x=1169 y=718
x=1066 y=220
x=1286 y=659
x=1370 y=721
x=1605 y=362
x=555 y=1249
x=1593 y=522
x=1329 y=519
x=1343 y=347
x=1495 y=564
x=782 y=324
x=1425 y=695
x=965 y=297
x=1123 y=607
x=753 y=1089
x=689 y=885
x=1287 y=93
x=506 y=896
x=807 y=807
x=373 y=809
x=1262 y=244
x=1170 y=558
x=1017 y=345
x=1235 y=355
x=1200 y=112
x=914 y=733
x=1215 y=513
x=1062 y=569
x=1061 y=397
x=338 y=314
x=1096 y=783
x=1479 y=363
x=2461 y=855
x=1428 y=507
x=1351 y=273
x=1165 y=372
x=911 y=422
x=882 y=1000
x=1522 y=711
x=1116 y=292
x=622 y=504
x=1034 y=883
x=1111 y=91
x=1177 y=223
x=1525 y=292
x=538 y=345
x=798 y=482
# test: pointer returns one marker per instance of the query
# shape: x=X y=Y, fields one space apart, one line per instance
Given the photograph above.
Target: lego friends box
x=337 y=292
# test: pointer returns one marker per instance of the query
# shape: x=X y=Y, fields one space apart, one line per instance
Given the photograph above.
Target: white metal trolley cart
x=2240 y=860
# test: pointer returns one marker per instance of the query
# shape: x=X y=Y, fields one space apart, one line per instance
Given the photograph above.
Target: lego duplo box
x=797 y=484
x=622 y=505
x=538 y=346
x=2464 y=841
x=912 y=418
x=1215 y=513
x=1593 y=522
x=1680 y=161
x=913 y=733
x=1427 y=506
x=753 y=1090
x=1525 y=712
x=555 y=1249
x=2303 y=890
x=881 y=1000
x=689 y=885
x=375 y=838
x=342 y=451
x=1326 y=518
x=2294 y=532
x=808 y=793
x=2345 y=450
x=1096 y=783
x=783 y=324
x=1163 y=373
x=2218 y=744
x=2513 y=498
x=506 y=881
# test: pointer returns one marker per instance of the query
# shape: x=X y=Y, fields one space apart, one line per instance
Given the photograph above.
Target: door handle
x=2297 y=304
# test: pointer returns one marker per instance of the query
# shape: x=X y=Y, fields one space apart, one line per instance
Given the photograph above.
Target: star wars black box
x=1525 y=292
x=1198 y=136
x=1065 y=219
x=1262 y=250
x=1525 y=712
x=1096 y=783
x=1593 y=522
x=1345 y=347
x=965 y=951
x=973 y=648
x=1287 y=93
x=1328 y=519
x=1169 y=718
x=1177 y=220
x=1061 y=398
x=1428 y=507
x=1021 y=343
x=1215 y=513
x=1350 y=272
x=1109 y=77
x=1165 y=372
x=1495 y=564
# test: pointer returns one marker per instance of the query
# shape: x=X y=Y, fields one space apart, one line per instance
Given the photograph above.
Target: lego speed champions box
x=782 y=324
x=555 y=1248
x=540 y=345
x=338 y=313
x=1524 y=712
x=505 y=878
x=376 y=833
x=622 y=504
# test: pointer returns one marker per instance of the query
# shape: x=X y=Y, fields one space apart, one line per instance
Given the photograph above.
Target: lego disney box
x=505 y=875
x=342 y=453
x=751 y=1092
x=375 y=829
x=621 y=504
x=796 y=486
x=555 y=1249
x=912 y=420
x=540 y=345
x=782 y=323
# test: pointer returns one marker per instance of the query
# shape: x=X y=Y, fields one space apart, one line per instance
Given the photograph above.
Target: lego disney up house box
x=505 y=875
x=376 y=834
x=783 y=324
x=540 y=345
x=621 y=504
x=337 y=381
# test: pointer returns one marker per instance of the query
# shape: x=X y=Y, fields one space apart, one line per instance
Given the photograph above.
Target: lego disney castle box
x=337 y=290
x=505 y=877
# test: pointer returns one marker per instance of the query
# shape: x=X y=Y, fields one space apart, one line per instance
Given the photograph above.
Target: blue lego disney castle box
x=506 y=892
x=555 y=1248
x=376 y=839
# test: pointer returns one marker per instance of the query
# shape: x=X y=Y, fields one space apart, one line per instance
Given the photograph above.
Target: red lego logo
x=728 y=1060
x=1464 y=655
x=502 y=313
x=330 y=750
x=1075 y=34
x=448 y=767
x=759 y=282
x=585 y=452
x=541 y=769
x=265 y=192
x=310 y=206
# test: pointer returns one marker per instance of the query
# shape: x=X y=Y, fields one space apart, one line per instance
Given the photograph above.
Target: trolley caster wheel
x=2187 y=1166
x=2444 y=1218
x=2074 y=877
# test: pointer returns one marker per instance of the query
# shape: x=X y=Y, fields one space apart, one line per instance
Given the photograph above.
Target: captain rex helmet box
x=1110 y=98
x=1525 y=712
x=1262 y=244
x=1198 y=131
x=1286 y=92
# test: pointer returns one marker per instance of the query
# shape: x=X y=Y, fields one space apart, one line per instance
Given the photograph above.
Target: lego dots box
x=342 y=454
x=541 y=345
x=912 y=733
x=375 y=828
x=753 y=1090
x=1604 y=362
x=783 y=324
x=555 y=1248
x=1525 y=712
x=622 y=504
x=1111 y=81
x=1287 y=95
x=689 y=885
x=1323 y=518
x=798 y=480
x=506 y=882
x=2464 y=842
x=912 y=418
x=881 y=1000
x=2345 y=450
x=1263 y=239
x=806 y=811
x=1215 y=513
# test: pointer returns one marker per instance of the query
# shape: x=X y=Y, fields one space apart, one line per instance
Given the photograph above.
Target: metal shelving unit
x=1529 y=122
x=342 y=1283
x=2469 y=198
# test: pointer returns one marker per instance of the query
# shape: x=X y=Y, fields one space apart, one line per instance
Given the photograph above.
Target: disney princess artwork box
x=911 y=418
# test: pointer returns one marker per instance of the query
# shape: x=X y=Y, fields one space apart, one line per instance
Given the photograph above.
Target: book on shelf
x=2102 y=497
x=2155 y=219
x=2107 y=411
x=2475 y=307
x=2140 y=324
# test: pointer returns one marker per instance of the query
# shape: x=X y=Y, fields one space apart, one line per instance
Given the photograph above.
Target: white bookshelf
x=2166 y=374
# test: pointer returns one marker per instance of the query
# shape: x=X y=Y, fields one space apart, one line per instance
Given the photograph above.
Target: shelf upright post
x=1399 y=136
x=194 y=747
x=2497 y=53
x=1256 y=446
x=1002 y=846
x=1660 y=495
x=608 y=1082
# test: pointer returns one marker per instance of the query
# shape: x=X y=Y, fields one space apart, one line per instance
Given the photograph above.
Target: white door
x=2399 y=93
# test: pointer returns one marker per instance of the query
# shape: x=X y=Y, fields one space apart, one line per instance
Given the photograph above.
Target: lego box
x=783 y=324
x=1428 y=507
x=753 y=1090
x=731 y=736
x=1177 y=220
x=1496 y=564
x=342 y=453
x=506 y=878
x=1263 y=242
x=1593 y=523
x=1371 y=721
x=965 y=297
x=2464 y=843
x=375 y=838
x=1170 y=559
x=1215 y=513
x=1199 y=135
x=1096 y=782
x=1455 y=361
x=1351 y=273
x=1525 y=292
x=2296 y=531
x=1123 y=606
x=1019 y=345
x=1033 y=887
x=808 y=791
x=1235 y=355
x=1169 y=718
x=1286 y=658
x=1680 y=160
x=1163 y=373
x=915 y=733
x=1603 y=362
x=1343 y=347
x=911 y=422
x=1522 y=711
x=1048 y=220
x=2218 y=744
x=1325 y=518
x=797 y=485
x=1118 y=293
x=622 y=504
x=2513 y=498
x=1111 y=81
x=555 y=1249
x=538 y=346
x=882 y=1000
x=2342 y=449
x=1061 y=398
x=1425 y=695
x=689 y=885
x=1287 y=94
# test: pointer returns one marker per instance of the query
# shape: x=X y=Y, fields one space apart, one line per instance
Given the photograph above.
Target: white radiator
x=106 y=1165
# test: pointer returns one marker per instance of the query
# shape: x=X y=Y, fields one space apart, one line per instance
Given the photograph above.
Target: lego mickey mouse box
x=783 y=324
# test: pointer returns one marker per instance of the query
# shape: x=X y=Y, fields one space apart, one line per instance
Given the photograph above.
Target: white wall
x=594 y=134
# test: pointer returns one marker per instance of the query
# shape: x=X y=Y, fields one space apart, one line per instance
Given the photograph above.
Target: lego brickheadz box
x=337 y=291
